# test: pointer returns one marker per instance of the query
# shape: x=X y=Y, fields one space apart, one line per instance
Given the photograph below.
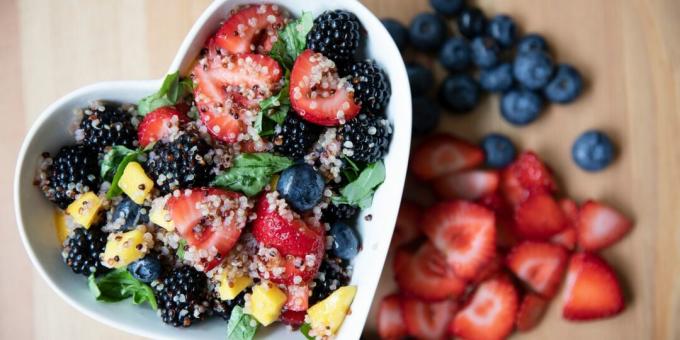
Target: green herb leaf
x=92 y=284
x=240 y=326
x=118 y=285
x=304 y=329
x=251 y=172
x=130 y=156
x=292 y=40
x=111 y=160
x=277 y=106
x=351 y=172
x=172 y=91
x=360 y=191
x=180 y=248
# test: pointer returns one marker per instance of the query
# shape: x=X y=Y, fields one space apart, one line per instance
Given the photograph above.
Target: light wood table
x=628 y=50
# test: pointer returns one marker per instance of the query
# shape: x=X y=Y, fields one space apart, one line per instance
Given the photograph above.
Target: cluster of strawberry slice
x=490 y=256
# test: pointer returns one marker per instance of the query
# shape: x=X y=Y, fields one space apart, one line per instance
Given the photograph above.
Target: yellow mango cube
x=125 y=248
x=62 y=227
x=230 y=288
x=84 y=210
x=266 y=303
x=135 y=183
x=331 y=311
x=160 y=216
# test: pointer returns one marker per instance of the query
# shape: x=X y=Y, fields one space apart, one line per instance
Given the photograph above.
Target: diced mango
x=330 y=312
x=135 y=183
x=62 y=228
x=125 y=248
x=266 y=303
x=230 y=288
x=161 y=217
x=84 y=210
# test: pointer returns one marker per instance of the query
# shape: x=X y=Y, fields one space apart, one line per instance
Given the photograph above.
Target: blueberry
x=521 y=106
x=132 y=214
x=397 y=31
x=459 y=93
x=301 y=186
x=532 y=42
x=420 y=78
x=145 y=269
x=455 y=55
x=496 y=79
x=533 y=69
x=503 y=29
x=427 y=32
x=447 y=7
x=593 y=151
x=485 y=52
x=471 y=22
x=345 y=241
x=565 y=86
x=498 y=149
x=426 y=114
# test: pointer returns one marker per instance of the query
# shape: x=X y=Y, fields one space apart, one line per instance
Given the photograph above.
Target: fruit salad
x=232 y=192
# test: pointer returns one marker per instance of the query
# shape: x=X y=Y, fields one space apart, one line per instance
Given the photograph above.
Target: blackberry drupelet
x=183 y=297
x=371 y=86
x=333 y=274
x=366 y=138
x=296 y=136
x=339 y=212
x=223 y=308
x=83 y=250
x=74 y=170
x=180 y=163
x=107 y=124
x=335 y=34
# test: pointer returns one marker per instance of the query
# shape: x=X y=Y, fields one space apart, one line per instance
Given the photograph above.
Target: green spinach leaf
x=251 y=172
x=118 y=285
x=173 y=89
x=292 y=40
x=241 y=326
x=128 y=156
x=360 y=191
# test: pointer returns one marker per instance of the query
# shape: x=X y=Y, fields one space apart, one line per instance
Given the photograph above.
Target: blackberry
x=182 y=297
x=366 y=138
x=334 y=273
x=339 y=212
x=223 y=308
x=107 y=124
x=371 y=86
x=74 y=170
x=335 y=34
x=180 y=163
x=83 y=250
x=296 y=137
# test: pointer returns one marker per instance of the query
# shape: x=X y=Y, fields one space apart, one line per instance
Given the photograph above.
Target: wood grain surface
x=628 y=50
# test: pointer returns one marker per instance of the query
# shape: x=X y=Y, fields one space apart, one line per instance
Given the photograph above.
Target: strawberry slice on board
x=468 y=185
x=252 y=28
x=525 y=176
x=427 y=320
x=491 y=269
x=539 y=217
x=424 y=274
x=442 y=154
x=540 y=265
x=592 y=290
x=465 y=232
x=490 y=312
x=567 y=237
x=530 y=312
x=318 y=94
x=159 y=124
x=390 y=319
x=506 y=237
x=599 y=226
x=407 y=227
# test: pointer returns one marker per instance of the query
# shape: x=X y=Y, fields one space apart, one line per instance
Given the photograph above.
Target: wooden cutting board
x=628 y=50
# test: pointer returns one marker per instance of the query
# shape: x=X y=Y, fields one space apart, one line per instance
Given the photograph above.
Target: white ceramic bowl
x=35 y=214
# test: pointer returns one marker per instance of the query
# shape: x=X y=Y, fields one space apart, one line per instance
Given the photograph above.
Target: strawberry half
x=425 y=274
x=526 y=175
x=298 y=298
x=539 y=217
x=318 y=94
x=443 y=154
x=160 y=123
x=251 y=29
x=567 y=237
x=390 y=320
x=530 y=312
x=407 y=227
x=600 y=226
x=490 y=313
x=468 y=185
x=426 y=320
x=539 y=265
x=464 y=232
x=592 y=290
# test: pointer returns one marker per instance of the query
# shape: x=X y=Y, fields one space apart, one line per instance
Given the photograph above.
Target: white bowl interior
x=35 y=214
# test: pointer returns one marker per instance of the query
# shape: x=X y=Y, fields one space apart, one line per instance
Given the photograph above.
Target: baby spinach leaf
x=241 y=326
x=292 y=40
x=118 y=285
x=360 y=191
x=130 y=156
x=251 y=172
x=173 y=89
x=304 y=329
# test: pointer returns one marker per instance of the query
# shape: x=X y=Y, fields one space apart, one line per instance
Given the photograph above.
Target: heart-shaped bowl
x=35 y=214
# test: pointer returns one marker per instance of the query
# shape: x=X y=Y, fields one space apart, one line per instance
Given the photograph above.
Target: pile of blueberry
x=488 y=55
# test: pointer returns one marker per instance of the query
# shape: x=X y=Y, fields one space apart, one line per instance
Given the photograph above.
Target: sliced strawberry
x=570 y=210
x=407 y=228
x=318 y=94
x=512 y=190
x=160 y=123
x=468 y=185
x=491 y=269
x=592 y=290
x=539 y=217
x=426 y=320
x=539 y=265
x=490 y=313
x=600 y=226
x=567 y=237
x=390 y=320
x=443 y=154
x=506 y=237
x=251 y=29
x=298 y=298
x=526 y=175
x=464 y=232
x=530 y=312
x=293 y=318
x=425 y=275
